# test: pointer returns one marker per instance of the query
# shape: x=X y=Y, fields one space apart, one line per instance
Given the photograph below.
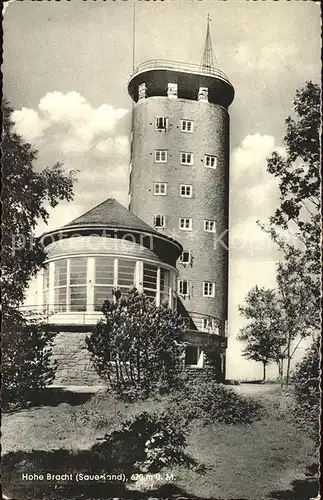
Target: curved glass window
x=46 y=286
x=81 y=284
x=150 y=280
x=126 y=273
x=103 y=280
x=77 y=285
x=60 y=285
x=164 y=284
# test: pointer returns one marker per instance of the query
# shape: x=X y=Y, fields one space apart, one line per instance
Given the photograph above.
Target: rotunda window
x=126 y=273
x=60 y=285
x=78 y=283
x=104 y=280
x=150 y=280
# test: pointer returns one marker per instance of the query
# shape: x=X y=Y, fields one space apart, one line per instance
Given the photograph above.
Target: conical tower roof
x=208 y=59
x=110 y=213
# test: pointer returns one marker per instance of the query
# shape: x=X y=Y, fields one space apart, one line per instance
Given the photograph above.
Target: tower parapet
x=180 y=80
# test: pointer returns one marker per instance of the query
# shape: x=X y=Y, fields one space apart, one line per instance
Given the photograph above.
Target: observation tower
x=179 y=181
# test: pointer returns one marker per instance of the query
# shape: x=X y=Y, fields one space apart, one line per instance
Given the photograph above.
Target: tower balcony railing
x=205 y=323
x=180 y=66
x=57 y=314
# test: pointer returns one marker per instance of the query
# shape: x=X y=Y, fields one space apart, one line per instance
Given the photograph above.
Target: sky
x=65 y=70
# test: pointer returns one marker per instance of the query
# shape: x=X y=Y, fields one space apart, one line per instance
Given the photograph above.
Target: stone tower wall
x=210 y=188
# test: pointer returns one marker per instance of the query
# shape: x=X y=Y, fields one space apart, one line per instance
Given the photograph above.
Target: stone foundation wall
x=74 y=365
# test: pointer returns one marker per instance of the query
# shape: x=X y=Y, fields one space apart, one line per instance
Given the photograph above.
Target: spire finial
x=208 y=58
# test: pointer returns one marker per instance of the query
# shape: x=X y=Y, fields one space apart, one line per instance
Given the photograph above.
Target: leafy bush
x=307 y=391
x=212 y=402
x=27 y=366
x=138 y=347
x=148 y=442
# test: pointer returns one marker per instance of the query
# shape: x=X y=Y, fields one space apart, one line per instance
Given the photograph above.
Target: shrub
x=27 y=366
x=138 y=347
x=147 y=442
x=306 y=379
x=213 y=403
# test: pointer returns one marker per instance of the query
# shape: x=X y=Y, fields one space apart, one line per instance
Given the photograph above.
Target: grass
x=264 y=460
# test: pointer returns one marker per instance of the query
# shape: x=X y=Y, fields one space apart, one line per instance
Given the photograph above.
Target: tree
x=295 y=225
x=26 y=358
x=262 y=334
x=297 y=315
x=137 y=347
x=26 y=193
x=307 y=391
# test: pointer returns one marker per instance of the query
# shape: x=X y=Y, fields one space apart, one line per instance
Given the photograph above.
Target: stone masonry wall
x=74 y=363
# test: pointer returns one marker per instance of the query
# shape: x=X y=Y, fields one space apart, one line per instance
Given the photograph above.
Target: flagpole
x=133 y=36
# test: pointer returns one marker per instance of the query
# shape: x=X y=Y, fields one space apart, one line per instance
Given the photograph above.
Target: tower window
x=161 y=123
x=183 y=287
x=210 y=161
x=187 y=126
x=186 y=190
x=161 y=155
x=185 y=224
x=186 y=257
x=208 y=289
x=187 y=158
x=160 y=188
x=209 y=226
x=159 y=220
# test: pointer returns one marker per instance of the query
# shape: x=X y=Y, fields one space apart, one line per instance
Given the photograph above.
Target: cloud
x=71 y=123
x=271 y=57
x=249 y=242
x=248 y=160
x=254 y=196
x=91 y=140
x=29 y=124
